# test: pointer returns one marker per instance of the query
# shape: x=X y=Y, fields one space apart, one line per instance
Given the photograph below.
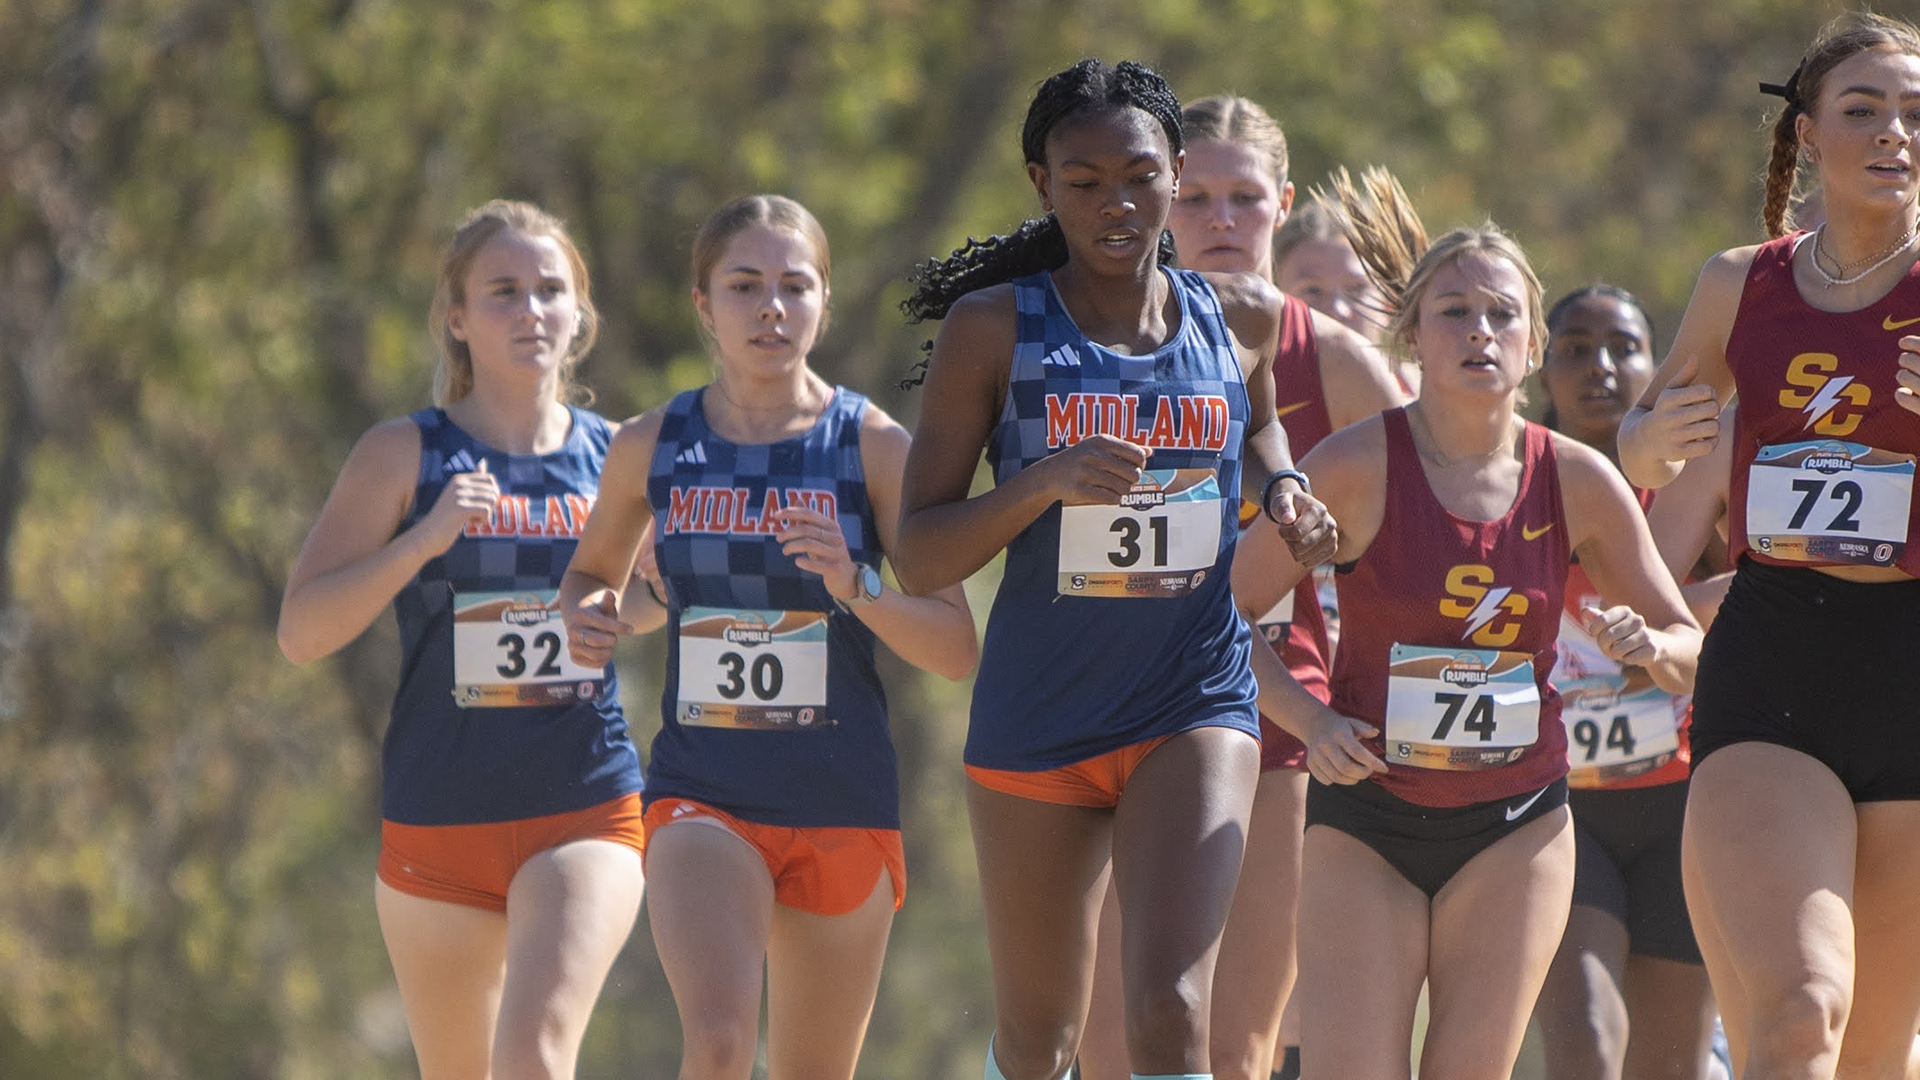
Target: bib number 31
x=1161 y=541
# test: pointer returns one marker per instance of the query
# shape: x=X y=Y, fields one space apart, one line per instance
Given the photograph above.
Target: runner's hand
x=817 y=545
x=1908 y=392
x=1684 y=422
x=468 y=499
x=1621 y=633
x=1309 y=530
x=1336 y=753
x=592 y=628
x=1096 y=471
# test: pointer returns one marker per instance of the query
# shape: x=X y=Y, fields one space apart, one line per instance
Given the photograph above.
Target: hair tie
x=1789 y=90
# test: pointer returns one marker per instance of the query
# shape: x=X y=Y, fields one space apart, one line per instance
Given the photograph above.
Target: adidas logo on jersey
x=1064 y=356
x=460 y=462
x=692 y=455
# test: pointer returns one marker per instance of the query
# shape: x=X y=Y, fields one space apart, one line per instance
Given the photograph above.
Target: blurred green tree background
x=219 y=223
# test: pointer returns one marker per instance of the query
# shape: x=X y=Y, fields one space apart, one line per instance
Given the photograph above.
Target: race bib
x=1162 y=540
x=1274 y=624
x=1830 y=502
x=743 y=668
x=1618 y=727
x=1460 y=709
x=510 y=648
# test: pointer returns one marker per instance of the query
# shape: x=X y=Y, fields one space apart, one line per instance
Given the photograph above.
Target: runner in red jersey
x=1627 y=995
x=1438 y=846
x=1234 y=194
x=1802 y=843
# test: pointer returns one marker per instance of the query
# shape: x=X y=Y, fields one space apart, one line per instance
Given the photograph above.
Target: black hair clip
x=1789 y=90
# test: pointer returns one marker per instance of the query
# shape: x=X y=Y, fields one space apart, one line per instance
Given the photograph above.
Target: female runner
x=1438 y=845
x=510 y=839
x=1627 y=995
x=772 y=802
x=1234 y=194
x=1113 y=719
x=1800 y=850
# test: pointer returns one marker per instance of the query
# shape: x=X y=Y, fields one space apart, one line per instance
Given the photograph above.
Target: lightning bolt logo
x=1825 y=400
x=1485 y=611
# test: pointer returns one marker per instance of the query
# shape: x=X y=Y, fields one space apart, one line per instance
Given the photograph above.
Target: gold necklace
x=1837 y=278
x=1439 y=457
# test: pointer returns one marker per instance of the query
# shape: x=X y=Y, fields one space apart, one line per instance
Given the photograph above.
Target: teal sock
x=1289 y=1065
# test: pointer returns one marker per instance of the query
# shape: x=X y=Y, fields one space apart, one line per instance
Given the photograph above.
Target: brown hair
x=1236 y=120
x=1392 y=244
x=1844 y=37
x=1315 y=219
x=453 y=371
x=772 y=211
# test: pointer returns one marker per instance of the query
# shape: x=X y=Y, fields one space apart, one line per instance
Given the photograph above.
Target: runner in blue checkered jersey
x=510 y=867
x=772 y=802
x=1113 y=717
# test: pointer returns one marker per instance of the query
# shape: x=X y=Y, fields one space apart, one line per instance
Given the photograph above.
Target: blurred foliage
x=219 y=221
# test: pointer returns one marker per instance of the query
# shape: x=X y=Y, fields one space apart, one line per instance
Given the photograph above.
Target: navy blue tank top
x=1116 y=624
x=493 y=721
x=773 y=710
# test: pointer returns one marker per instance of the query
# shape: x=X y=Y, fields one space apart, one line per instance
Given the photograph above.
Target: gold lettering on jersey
x=1492 y=612
x=1824 y=396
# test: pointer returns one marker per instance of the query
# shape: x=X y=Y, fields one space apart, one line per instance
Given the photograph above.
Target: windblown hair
x=1387 y=235
x=453 y=370
x=1844 y=37
x=1088 y=86
x=1236 y=120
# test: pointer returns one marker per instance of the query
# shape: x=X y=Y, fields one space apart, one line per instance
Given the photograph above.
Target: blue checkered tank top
x=492 y=721
x=1115 y=624
x=773 y=711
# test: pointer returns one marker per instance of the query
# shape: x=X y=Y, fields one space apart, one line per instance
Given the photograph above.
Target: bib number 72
x=1844 y=491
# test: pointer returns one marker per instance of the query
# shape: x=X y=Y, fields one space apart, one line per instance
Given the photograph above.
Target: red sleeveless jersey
x=1297 y=627
x=1823 y=458
x=1448 y=634
x=1622 y=730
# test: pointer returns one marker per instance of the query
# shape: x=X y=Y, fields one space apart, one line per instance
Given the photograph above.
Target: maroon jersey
x=1448 y=634
x=1296 y=628
x=1823 y=457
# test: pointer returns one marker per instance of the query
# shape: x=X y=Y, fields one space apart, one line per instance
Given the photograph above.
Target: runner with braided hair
x=1125 y=407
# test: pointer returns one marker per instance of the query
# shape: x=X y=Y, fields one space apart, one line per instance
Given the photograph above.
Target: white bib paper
x=1161 y=541
x=748 y=668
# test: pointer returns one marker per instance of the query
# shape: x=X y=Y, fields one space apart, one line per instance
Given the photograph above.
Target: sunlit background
x=219 y=224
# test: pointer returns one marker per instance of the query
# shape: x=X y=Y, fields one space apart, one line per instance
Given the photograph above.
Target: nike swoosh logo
x=1888 y=323
x=1513 y=812
x=1298 y=405
x=1528 y=532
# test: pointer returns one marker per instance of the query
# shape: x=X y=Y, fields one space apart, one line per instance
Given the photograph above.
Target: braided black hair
x=1090 y=85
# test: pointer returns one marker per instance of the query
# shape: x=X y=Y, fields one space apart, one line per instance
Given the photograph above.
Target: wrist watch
x=866 y=587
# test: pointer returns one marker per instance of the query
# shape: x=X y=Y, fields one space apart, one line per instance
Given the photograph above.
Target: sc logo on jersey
x=1832 y=404
x=1493 y=612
